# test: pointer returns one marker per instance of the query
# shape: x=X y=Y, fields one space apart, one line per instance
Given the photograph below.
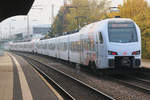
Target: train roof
x=109 y=20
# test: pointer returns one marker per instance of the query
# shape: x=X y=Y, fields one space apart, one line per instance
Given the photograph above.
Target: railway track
x=133 y=82
x=144 y=71
x=145 y=81
x=69 y=87
x=142 y=74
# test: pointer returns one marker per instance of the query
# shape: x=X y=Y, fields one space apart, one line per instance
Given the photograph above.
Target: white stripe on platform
x=26 y=93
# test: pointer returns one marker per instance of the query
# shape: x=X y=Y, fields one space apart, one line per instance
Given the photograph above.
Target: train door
x=100 y=50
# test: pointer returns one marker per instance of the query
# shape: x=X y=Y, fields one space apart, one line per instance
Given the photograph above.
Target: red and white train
x=110 y=43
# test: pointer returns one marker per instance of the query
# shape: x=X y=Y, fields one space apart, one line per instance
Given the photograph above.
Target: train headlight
x=112 y=53
x=136 y=53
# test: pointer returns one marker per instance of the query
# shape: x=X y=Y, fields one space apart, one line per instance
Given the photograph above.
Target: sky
x=39 y=14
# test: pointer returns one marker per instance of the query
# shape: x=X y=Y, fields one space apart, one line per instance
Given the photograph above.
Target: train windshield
x=122 y=32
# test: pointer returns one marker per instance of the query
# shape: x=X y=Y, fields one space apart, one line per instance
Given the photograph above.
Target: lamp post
x=28 y=27
x=115 y=11
x=67 y=7
x=10 y=26
x=28 y=21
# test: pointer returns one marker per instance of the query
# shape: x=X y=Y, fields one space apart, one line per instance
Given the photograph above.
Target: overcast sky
x=36 y=15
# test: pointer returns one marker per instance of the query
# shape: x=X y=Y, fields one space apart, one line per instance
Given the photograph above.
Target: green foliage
x=145 y=43
x=77 y=14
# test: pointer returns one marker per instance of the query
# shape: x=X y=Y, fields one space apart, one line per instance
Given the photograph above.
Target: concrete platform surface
x=19 y=81
x=6 y=78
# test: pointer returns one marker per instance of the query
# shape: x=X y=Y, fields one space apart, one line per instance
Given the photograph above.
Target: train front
x=124 y=44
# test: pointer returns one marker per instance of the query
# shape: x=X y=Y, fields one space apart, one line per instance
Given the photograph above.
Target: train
x=107 y=44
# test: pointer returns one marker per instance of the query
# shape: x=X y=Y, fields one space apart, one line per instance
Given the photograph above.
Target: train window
x=85 y=44
x=65 y=46
x=123 y=35
x=124 y=32
x=101 y=38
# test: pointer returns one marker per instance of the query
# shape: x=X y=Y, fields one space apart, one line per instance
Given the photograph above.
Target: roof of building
x=10 y=8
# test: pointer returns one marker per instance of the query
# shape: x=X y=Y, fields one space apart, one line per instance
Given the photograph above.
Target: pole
x=28 y=27
x=10 y=27
x=52 y=14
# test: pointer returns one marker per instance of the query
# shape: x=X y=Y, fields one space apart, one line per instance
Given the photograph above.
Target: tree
x=79 y=13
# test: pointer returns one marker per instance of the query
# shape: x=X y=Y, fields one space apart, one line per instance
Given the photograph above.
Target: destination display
x=115 y=25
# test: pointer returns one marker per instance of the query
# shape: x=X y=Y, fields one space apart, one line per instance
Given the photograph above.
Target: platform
x=19 y=81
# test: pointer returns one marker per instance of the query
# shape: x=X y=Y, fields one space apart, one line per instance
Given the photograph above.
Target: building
x=35 y=32
x=41 y=29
